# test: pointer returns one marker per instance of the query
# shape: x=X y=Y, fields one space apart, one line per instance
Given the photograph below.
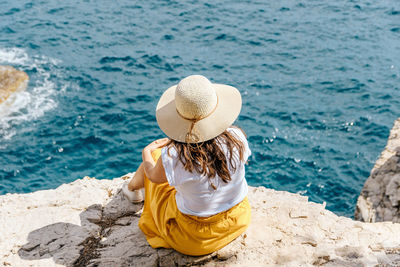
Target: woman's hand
x=156 y=144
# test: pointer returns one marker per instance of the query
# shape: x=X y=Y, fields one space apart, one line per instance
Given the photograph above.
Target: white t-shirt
x=195 y=195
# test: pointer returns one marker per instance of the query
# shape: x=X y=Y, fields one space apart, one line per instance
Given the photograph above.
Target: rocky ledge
x=89 y=223
x=380 y=197
x=11 y=81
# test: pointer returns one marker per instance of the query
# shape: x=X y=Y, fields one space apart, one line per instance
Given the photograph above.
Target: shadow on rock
x=109 y=236
x=108 y=232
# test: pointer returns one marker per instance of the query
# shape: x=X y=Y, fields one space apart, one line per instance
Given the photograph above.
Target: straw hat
x=196 y=110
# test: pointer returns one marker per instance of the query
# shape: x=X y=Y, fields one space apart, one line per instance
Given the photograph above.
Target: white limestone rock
x=89 y=223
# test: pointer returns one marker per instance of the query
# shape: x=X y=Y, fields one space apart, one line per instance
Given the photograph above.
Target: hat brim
x=176 y=127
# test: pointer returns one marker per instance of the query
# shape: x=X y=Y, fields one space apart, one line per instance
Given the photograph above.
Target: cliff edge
x=89 y=223
x=380 y=197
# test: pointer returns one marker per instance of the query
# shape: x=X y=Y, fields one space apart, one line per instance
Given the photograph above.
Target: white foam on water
x=13 y=56
x=36 y=100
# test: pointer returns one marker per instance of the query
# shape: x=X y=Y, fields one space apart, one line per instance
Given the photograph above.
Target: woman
x=195 y=189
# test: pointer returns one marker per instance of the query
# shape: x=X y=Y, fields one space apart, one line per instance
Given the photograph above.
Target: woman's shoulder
x=238 y=132
x=169 y=151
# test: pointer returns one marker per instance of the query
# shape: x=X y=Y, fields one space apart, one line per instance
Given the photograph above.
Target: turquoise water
x=319 y=80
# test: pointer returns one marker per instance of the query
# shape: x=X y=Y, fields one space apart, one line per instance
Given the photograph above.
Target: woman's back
x=199 y=195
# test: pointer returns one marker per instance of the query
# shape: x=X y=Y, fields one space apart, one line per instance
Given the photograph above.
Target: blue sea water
x=319 y=79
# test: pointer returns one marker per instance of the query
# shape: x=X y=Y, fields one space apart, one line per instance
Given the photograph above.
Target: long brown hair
x=208 y=158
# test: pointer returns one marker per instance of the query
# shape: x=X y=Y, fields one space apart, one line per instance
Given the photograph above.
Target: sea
x=320 y=82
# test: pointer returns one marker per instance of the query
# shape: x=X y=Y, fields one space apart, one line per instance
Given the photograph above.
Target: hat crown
x=195 y=97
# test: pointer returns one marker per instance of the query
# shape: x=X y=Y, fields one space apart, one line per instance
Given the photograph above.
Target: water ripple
x=319 y=83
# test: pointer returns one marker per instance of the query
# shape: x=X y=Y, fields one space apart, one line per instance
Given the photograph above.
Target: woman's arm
x=154 y=171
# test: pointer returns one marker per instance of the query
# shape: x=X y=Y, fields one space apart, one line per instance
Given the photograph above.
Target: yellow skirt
x=165 y=226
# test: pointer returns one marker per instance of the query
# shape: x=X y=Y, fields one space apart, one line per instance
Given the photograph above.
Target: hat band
x=192 y=136
x=199 y=118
